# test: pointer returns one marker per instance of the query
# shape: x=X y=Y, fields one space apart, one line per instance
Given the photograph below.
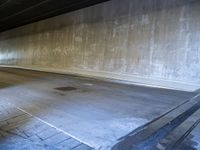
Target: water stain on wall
x=149 y=39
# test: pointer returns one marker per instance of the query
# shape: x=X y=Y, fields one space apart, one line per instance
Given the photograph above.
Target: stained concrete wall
x=145 y=41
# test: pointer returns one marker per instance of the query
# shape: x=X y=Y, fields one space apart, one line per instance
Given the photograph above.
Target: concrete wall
x=146 y=41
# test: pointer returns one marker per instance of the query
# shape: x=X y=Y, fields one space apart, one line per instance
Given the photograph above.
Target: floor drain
x=67 y=88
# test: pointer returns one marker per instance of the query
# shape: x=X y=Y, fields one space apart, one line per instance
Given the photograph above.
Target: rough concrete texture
x=21 y=131
x=95 y=112
x=149 y=41
x=195 y=137
x=167 y=132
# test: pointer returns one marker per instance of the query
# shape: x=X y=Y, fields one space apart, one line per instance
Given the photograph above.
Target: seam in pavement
x=49 y=124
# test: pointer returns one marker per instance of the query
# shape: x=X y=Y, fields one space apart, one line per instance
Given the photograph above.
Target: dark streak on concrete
x=67 y=88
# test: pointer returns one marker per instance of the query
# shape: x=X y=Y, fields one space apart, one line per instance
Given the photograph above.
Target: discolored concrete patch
x=67 y=88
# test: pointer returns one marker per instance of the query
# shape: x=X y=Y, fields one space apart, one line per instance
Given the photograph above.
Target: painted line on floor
x=49 y=124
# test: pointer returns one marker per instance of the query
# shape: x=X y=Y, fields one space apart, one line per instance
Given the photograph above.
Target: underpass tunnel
x=99 y=75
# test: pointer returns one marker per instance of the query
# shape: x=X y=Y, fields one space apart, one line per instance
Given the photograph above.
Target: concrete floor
x=94 y=112
x=21 y=131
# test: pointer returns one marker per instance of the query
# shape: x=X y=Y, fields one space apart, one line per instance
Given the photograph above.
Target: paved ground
x=21 y=131
x=176 y=130
x=95 y=112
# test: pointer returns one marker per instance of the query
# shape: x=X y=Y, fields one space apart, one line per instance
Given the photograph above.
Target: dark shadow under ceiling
x=14 y=13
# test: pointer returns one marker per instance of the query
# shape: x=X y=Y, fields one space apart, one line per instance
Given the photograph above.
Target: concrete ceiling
x=14 y=13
